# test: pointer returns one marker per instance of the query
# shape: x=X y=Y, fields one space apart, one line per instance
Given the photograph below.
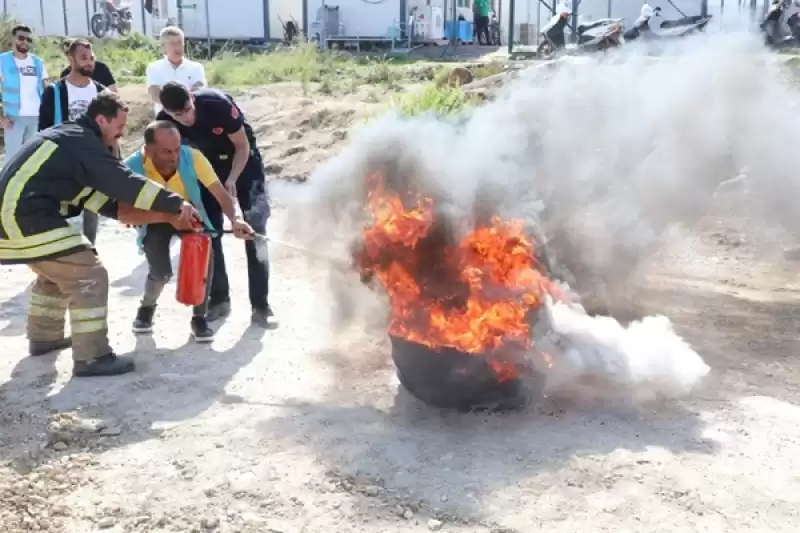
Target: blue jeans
x=22 y=129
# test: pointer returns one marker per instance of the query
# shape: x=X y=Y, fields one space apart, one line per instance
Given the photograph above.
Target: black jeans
x=482 y=26
x=156 y=251
x=252 y=196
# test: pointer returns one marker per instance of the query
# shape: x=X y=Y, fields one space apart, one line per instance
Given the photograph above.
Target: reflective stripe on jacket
x=11 y=82
x=59 y=173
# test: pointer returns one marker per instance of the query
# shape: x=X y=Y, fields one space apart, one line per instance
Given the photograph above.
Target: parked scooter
x=650 y=25
x=594 y=36
x=773 y=25
x=551 y=38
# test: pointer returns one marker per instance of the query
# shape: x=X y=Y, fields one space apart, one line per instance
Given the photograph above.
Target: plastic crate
x=464 y=30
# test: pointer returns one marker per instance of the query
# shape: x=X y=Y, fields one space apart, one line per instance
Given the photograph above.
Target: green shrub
x=440 y=101
x=303 y=63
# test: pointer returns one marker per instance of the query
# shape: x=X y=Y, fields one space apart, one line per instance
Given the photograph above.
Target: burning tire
x=451 y=379
x=463 y=303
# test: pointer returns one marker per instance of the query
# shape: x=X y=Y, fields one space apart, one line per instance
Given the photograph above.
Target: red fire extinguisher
x=193 y=267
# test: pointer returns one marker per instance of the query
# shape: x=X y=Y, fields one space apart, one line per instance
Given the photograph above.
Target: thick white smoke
x=596 y=357
x=606 y=156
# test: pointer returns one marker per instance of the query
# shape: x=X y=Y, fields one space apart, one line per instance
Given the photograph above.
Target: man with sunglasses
x=23 y=77
x=211 y=121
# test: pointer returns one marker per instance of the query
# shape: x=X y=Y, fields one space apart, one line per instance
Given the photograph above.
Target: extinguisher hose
x=262 y=240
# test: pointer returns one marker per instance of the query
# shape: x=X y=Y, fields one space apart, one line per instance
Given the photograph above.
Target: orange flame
x=475 y=296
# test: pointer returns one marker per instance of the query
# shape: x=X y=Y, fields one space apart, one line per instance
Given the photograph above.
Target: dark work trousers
x=252 y=196
x=156 y=251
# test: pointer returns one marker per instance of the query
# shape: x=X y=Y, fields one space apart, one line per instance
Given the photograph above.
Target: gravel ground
x=294 y=429
x=299 y=430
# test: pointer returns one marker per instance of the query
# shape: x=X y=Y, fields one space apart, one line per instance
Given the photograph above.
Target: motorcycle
x=595 y=36
x=772 y=26
x=650 y=26
x=119 y=19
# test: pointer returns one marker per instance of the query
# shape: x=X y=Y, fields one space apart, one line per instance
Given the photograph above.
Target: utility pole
x=574 y=17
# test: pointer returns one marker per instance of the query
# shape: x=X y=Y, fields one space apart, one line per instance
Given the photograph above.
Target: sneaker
x=37 y=348
x=107 y=365
x=218 y=311
x=264 y=318
x=200 y=330
x=144 y=320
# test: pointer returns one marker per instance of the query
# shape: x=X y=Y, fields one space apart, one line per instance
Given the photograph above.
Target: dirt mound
x=295 y=131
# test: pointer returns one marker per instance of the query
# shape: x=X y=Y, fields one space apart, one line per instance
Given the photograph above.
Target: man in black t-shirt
x=210 y=121
x=102 y=74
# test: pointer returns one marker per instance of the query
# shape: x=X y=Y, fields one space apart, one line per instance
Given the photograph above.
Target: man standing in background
x=173 y=66
x=68 y=99
x=100 y=73
x=482 y=8
x=23 y=77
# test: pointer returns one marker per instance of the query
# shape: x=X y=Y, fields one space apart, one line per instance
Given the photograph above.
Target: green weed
x=440 y=101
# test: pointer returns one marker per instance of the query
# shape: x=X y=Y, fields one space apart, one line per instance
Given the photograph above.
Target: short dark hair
x=20 y=27
x=75 y=44
x=106 y=104
x=153 y=127
x=174 y=96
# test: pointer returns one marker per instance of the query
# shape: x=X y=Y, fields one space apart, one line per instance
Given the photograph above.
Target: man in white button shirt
x=173 y=66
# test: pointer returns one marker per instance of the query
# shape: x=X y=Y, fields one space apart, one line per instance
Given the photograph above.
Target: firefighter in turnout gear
x=55 y=176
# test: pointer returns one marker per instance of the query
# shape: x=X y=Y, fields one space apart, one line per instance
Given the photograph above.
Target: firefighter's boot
x=37 y=348
x=107 y=365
